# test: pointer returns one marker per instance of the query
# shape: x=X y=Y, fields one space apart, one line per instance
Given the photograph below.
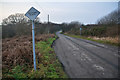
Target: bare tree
x=75 y=24
x=17 y=18
x=14 y=19
x=111 y=18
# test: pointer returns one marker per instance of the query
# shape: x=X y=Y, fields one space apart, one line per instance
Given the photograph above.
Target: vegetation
x=19 y=25
x=18 y=61
x=111 y=18
x=105 y=31
x=96 y=30
x=105 y=40
x=48 y=60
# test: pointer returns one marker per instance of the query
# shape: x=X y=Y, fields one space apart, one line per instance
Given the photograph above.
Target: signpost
x=80 y=30
x=32 y=14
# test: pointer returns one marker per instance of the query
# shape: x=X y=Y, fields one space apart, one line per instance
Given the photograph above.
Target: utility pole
x=48 y=24
x=48 y=18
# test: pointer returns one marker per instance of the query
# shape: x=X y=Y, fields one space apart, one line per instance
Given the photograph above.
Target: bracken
x=18 y=50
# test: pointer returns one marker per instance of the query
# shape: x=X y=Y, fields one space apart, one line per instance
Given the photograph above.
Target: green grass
x=99 y=41
x=53 y=67
x=47 y=67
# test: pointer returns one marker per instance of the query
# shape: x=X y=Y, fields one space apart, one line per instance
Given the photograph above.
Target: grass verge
x=48 y=65
x=92 y=39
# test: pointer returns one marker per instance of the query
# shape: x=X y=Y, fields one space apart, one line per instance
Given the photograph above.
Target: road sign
x=32 y=13
x=80 y=28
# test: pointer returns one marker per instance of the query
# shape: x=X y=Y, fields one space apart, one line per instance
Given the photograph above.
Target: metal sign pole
x=32 y=14
x=33 y=37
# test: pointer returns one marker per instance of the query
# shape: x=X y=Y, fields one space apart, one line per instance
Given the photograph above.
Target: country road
x=86 y=59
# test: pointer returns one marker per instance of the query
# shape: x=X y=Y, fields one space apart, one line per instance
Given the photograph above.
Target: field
x=17 y=58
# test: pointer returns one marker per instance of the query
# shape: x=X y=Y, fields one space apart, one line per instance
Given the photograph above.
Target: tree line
x=107 y=26
x=18 y=25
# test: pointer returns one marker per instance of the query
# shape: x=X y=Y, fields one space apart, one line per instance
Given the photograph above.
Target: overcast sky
x=86 y=12
x=59 y=0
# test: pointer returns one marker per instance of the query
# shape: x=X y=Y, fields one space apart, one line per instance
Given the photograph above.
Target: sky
x=86 y=12
x=60 y=0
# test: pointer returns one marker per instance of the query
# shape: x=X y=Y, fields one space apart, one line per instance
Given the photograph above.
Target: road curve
x=86 y=59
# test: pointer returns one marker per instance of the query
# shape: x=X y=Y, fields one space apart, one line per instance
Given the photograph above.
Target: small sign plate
x=32 y=13
x=80 y=28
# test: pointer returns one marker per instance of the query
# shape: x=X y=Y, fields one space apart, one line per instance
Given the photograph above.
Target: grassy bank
x=48 y=65
x=105 y=40
x=48 y=61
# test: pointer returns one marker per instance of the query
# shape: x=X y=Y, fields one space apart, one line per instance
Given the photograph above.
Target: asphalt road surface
x=86 y=59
